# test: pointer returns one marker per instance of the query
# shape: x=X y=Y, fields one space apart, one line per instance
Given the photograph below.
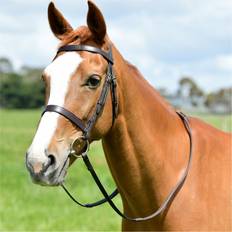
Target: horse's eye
x=93 y=82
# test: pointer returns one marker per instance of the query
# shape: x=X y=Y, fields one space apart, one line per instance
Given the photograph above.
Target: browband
x=70 y=48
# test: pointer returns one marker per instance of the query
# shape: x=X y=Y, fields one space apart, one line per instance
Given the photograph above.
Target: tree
x=163 y=92
x=5 y=65
x=21 y=91
x=189 y=89
x=220 y=101
x=10 y=87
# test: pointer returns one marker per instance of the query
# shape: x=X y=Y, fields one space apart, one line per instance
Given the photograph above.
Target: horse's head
x=74 y=81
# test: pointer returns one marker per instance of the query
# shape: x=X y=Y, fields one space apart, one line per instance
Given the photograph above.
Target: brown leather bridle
x=110 y=85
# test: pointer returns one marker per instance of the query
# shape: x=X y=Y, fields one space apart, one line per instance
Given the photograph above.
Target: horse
x=145 y=141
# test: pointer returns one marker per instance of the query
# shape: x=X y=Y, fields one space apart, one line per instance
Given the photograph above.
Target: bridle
x=110 y=85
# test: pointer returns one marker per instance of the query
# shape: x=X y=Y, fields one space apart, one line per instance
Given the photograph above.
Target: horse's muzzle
x=48 y=171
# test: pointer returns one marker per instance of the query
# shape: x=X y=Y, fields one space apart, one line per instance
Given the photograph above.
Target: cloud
x=164 y=39
x=224 y=62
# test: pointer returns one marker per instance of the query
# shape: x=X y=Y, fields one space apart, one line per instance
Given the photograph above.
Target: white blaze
x=60 y=72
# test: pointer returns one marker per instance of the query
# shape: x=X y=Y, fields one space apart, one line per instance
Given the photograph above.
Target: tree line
x=25 y=89
x=195 y=98
x=21 y=89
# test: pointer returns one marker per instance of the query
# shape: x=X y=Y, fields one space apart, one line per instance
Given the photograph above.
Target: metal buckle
x=85 y=153
x=84 y=150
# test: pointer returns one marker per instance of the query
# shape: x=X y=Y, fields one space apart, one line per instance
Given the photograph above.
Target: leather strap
x=90 y=205
x=71 y=48
x=67 y=114
x=168 y=199
x=113 y=88
x=101 y=103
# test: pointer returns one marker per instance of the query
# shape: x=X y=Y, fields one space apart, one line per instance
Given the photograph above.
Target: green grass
x=28 y=207
x=223 y=122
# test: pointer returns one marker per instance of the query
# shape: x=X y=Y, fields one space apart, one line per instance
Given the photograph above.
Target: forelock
x=82 y=35
x=78 y=36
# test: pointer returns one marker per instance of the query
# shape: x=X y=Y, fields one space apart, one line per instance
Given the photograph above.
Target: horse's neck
x=141 y=149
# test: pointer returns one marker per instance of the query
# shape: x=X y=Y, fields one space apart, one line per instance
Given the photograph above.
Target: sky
x=165 y=39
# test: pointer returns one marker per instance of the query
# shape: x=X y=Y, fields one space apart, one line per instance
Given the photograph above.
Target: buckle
x=79 y=147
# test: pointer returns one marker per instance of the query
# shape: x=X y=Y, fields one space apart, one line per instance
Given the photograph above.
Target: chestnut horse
x=146 y=145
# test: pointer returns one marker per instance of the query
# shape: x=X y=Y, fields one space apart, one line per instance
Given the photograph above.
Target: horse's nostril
x=51 y=159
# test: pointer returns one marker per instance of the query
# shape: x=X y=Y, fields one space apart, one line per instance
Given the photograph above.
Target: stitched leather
x=67 y=114
x=71 y=48
x=90 y=205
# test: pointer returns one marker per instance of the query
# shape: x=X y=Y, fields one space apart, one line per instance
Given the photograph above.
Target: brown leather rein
x=110 y=85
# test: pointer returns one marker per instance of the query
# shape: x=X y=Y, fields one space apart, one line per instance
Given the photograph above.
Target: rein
x=110 y=85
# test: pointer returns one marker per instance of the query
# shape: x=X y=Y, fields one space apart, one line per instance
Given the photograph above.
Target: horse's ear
x=96 y=22
x=58 y=24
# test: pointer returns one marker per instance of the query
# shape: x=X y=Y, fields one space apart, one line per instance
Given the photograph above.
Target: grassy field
x=28 y=207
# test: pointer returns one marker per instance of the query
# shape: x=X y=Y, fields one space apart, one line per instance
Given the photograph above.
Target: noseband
x=110 y=85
